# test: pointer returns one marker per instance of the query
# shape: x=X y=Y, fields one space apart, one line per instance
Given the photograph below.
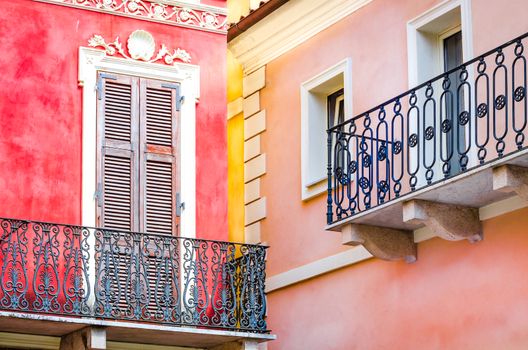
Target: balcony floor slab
x=133 y=332
x=473 y=188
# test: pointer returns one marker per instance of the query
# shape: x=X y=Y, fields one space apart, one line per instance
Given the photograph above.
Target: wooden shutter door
x=118 y=139
x=118 y=122
x=160 y=166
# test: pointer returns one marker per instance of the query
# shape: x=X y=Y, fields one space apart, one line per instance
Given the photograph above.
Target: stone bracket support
x=89 y=338
x=382 y=242
x=448 y=221
x=511 y=178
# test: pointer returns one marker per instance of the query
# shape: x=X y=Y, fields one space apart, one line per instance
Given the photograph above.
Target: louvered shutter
x=118 y=119
x=159 y=173
x=139 y=175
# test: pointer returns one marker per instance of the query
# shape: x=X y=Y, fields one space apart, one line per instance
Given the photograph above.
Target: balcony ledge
x=156 y=334
x=474 y=188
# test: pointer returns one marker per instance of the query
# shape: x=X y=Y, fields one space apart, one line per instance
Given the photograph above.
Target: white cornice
x=287 y=27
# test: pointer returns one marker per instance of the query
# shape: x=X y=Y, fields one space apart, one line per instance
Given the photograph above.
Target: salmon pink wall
x=457 y=296
x=375 y=37
x=378 y=49
x=40 y=110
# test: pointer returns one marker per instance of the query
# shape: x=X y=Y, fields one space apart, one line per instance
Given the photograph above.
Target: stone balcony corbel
x=511 y=178
x=448 y=221
x=382 y=242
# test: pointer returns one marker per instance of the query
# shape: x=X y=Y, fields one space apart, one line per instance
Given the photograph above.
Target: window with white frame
x=426 y=36
x=440 y=40
x=326 y=100
x=153 y=93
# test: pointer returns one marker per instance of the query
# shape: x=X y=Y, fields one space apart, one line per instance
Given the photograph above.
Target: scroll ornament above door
x=140 y=46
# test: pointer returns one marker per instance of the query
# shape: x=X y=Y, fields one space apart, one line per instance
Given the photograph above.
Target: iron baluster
x=519 y=94
x=436 y=130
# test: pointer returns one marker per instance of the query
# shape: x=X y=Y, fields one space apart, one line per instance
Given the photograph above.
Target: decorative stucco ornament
x=158 y=11
x=209 y=20
x=133 y=6
x=108 y=3
x=173 y=12
x=141 y=46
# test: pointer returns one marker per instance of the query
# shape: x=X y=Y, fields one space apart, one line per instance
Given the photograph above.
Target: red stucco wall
x=40 y=110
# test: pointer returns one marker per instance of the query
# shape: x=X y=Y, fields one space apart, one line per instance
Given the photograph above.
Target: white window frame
x=93 y=60
x=429 y=50
x=415 y=25
x=314 y=96
x=444 y=35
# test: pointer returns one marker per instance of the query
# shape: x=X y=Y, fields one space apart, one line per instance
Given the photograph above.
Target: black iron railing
x=93 y=272
x=459 y=120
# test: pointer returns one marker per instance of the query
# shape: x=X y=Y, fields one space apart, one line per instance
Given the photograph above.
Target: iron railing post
x=329 y=214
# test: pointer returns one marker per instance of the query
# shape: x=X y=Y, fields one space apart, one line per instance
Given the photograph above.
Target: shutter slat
x=159 y=197
x=158 y=101
x=156 y=112
x=117 y=192
x=159 y=116
x=117 y=111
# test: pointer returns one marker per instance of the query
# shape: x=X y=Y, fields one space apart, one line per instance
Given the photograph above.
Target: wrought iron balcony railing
x=460 y=120
x=94 y=272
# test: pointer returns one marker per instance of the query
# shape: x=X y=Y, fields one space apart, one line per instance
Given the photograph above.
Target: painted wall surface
x=235 y=136
x=457 y=296
x=235 y=178
x=379 y=71
x=40 y=110
x=237 y=9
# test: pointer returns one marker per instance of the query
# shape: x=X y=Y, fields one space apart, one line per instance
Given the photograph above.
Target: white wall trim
x=287 y=27
x=317 y=268
x=429 y=16
x=314 y=94
x=188 y=75
x=29 y=341
x=502 y=207
x=359 y=253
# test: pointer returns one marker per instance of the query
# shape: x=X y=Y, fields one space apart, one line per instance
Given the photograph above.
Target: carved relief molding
x=196 y=16
x=140 y=46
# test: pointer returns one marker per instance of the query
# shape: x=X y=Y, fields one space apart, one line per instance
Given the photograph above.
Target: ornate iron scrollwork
x=121 y=275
